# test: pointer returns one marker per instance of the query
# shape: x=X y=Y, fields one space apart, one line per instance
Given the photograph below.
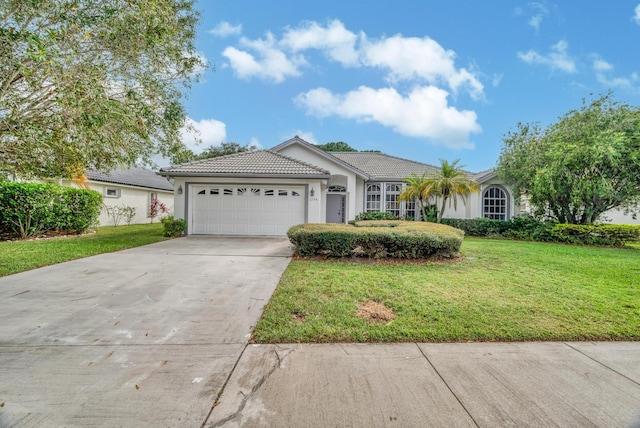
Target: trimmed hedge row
x=528 y=228
x=397 y=239
x=28 y=209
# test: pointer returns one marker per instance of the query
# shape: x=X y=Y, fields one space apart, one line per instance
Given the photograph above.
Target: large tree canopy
x=580 y=167
x=92 y=83
x=336 y=146
x=223 y=149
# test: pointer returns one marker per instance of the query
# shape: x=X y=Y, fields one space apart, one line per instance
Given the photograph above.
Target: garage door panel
x=249 y=209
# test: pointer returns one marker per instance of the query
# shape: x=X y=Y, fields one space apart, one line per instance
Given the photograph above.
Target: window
x=373 y=198
x=336 y=188
x=214 y=191
x=268 y=192
x=242 y=190
x=391 y=202
x=227 y=192
x=111 y=192
x=255 y=192
x=283 y=193
x=294 y=193
x=202 y=192
x=410 y=210
x=494 y=203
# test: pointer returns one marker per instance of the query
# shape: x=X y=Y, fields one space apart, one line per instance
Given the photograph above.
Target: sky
x=423 y=80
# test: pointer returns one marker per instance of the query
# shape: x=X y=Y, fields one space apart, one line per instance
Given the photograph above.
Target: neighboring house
x=134 y=187
x=266 y=192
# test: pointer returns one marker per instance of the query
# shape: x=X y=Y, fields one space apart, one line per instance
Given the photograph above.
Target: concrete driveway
x=142 y=337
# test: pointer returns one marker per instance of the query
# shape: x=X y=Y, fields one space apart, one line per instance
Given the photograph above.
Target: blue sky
x=423 y=80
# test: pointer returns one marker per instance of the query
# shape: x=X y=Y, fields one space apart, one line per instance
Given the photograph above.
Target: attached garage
x=259 y=193
x=245 y=209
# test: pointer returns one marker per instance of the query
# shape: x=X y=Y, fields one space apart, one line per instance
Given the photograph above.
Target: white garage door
x=245 y=209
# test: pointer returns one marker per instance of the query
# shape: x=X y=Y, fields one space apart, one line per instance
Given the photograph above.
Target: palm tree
x=450 y=182
x=417 y=189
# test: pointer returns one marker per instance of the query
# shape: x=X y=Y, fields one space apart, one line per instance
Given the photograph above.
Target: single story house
x=133 y=187
x=265 y=192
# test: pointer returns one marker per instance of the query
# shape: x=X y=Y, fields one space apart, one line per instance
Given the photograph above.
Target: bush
x=400 y=239
x=597 y=234
x=28 y=209
x=173 y=227
x=377 y=215
x=524 y=228
x=119 y=212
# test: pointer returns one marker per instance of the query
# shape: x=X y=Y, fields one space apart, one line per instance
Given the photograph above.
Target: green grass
x=18 y=256
x=501 y=291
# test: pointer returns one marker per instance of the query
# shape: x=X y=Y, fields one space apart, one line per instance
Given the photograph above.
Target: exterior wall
x=305 y=155
x=617 y=216
x=316 y=210
x=473 y=206
x=132 y=196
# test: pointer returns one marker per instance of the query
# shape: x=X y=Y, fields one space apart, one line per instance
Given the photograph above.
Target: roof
x=379 y=166
x=484 y=175
x=140 y=177
x=261 y=163
x=320 y=152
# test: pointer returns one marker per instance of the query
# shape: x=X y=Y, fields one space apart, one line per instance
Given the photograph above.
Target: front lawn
x=501 y=291
x=18 y=256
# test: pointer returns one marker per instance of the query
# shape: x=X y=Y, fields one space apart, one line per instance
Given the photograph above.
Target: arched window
x=336 y=188
x=495 y=203
x=373 y=197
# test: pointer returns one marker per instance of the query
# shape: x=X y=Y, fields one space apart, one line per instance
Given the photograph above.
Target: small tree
x=417 y=189
x=449 y=182
x=336 y=146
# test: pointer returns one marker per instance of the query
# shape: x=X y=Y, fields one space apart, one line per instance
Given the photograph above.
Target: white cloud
x=224 y=29
x=255 y=142
x=537 y=18
x=423 y=113
x=497 y=79
x=335 y=40
x=269 y=62
x=604 y=72
x=210 y=131
x=636 y=17
x=403 y=58
x=306 y=136
x=557 y=59
x=409 y=58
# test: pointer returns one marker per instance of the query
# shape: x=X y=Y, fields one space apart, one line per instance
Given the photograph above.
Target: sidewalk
x=544 y=384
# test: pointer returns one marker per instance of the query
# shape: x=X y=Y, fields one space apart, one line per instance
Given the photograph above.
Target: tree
x=580 y=167
x=224 y=149
x=93 y=84
x=449 y=182
x=338 y=146
x=417 y=188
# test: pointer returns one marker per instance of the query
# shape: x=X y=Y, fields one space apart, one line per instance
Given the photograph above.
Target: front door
x=335 y=208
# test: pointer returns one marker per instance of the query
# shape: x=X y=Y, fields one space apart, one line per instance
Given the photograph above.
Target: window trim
x=118 y=192
x=507 y=203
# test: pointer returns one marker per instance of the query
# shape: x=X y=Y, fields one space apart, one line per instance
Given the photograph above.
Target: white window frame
x=107 y=190
x=489 y=202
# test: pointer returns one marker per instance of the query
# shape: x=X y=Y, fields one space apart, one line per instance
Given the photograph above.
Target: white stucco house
x=133 y=187
x=266 y=192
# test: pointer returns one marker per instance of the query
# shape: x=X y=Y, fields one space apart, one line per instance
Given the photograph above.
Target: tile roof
x=382 y=166
x=139 y=177
x=255 y=163
x=484 y=175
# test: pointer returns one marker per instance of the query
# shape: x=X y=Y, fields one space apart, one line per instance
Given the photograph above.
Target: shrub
x=399 y=239
x=597 y=234
x=173 y=227
x=28 y=209
x=377 y=215
x=119 y=212
x=525 y=228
